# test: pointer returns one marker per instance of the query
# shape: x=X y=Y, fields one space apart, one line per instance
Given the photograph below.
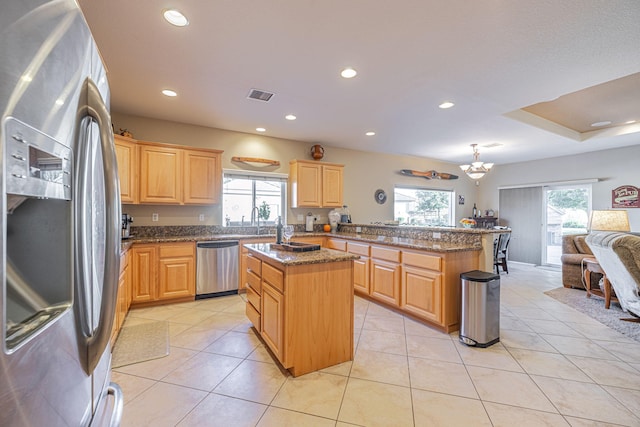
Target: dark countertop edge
x=417 y=244
x=287 y=258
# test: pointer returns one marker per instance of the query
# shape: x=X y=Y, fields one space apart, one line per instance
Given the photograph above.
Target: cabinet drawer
x=358 y=248
x=253 y=316
x=254 y=264
x=340 y=245
x=429 y=262
x=172 y=250
x=254 y=298
x=386 y=254
x=273 y=276
x=254 y=281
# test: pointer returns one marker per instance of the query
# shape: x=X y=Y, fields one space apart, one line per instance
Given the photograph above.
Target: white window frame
x=256 y=176
x=452 y=204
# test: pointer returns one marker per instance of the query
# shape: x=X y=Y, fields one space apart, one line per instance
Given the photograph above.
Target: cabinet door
x=361 y=275
x=422 y=293
x=272 y=319
x=144 y=263
x=202 y=177
x=306 y=185
x=385 y=281
x=177 y=271
x=176 y=278
x=127 y=158
x=332 y=184
x=160 y=175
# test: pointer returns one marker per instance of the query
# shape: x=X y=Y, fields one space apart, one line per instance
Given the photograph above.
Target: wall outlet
x=154 y=217
x=436 y=234
x=300 y=217
x=201 y=217
x=358 y=229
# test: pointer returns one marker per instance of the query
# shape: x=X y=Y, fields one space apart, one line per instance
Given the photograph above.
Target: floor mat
x=140 y=343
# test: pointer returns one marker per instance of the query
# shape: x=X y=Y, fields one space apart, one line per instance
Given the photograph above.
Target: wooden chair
x=500 y=252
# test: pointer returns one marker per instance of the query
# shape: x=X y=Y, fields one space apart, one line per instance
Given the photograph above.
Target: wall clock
x=380 y=196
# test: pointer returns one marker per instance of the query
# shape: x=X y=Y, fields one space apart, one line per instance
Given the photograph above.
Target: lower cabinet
x=272 y=319
x=385 y=275
x=422 y=285
x=163 y=272
x=123 y=299
x=360 y=266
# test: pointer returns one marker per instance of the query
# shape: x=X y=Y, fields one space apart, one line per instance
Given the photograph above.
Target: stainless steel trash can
x=480 y=318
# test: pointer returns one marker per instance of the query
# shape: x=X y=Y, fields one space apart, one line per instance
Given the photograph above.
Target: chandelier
x=476 y=169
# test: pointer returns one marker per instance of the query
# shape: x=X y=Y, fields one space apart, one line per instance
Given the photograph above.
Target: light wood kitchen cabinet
x=171 y=174
x=306 y=310
x=163 y=272
x=422 y=285
x=272 y=319
x=385 y=275
x=177 y=271
x=315 y=184
x=123 y=297
x=127 y=158
x=145 y=272
x=160 y=174
x=337 y=244
x=243 y=264
x=360 y=266
x=202 y=174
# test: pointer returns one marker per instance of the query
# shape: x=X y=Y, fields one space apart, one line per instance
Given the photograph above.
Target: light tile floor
x=553 y=366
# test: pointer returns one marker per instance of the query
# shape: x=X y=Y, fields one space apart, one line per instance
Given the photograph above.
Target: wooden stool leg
x=607 y=292
x=587 y=282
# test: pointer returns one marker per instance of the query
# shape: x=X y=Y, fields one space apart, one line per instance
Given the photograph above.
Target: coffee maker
x=126 y=225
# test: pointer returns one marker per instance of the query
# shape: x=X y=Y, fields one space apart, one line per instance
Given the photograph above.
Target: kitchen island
x=301 y=304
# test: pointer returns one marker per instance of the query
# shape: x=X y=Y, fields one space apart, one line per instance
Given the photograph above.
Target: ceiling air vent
x=259 y=95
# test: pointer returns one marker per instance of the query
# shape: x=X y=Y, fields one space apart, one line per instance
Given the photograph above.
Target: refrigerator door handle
x=98 y=340
x=116 y=416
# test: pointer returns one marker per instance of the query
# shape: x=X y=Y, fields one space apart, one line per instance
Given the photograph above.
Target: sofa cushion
x=581 y=245
x=573 y=258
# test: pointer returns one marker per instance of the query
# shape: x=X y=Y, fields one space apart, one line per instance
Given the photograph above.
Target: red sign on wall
x=625 y=196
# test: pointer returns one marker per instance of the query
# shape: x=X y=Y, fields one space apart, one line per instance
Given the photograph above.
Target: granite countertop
x=406 y=242
x=287 y=258
x=402 y=242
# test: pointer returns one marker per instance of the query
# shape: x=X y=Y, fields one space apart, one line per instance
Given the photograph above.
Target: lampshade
x=609 y=220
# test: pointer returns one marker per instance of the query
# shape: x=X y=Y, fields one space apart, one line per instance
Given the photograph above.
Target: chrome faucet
x=255 y=213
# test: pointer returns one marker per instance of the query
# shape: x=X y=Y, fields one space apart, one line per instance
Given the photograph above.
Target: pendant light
x=476 y=169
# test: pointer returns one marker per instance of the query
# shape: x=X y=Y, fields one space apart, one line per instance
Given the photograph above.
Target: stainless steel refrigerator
x=60 y=223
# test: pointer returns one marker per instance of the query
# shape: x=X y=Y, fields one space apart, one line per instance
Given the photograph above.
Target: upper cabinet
x=160 y=174
x=202 y=173
x=315 y=184
x=127 y=157
x=153 y=173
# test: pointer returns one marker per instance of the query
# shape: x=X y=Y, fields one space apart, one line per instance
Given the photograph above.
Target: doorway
x=565 y=211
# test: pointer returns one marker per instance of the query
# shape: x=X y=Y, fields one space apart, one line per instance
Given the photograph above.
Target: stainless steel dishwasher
x=216 y=268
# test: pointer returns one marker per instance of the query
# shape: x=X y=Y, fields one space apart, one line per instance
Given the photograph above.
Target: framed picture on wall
x=625 y=196
x=461 y=200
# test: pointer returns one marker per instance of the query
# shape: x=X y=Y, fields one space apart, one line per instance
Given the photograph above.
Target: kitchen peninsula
x=301 y=303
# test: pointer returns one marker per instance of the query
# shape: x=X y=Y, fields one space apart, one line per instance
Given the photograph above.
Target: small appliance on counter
x=126 y=225
x=334 y=218
x=345 y=216
x=309 y=222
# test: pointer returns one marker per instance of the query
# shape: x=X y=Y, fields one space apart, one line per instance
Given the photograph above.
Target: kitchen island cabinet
x=305 y=313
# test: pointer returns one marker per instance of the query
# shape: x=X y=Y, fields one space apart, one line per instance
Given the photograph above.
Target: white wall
x=364 y=172
x=612 y=168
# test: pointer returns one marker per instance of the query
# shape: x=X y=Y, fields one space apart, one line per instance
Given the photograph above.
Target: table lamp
x=609 y=220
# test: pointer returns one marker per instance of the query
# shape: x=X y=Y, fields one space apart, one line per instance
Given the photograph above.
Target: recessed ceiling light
x=290 y=117
x=168 y=92
x=348 y=73
x=176 y=18
x=602 y=123
x=59 y=102
x=446 y=104
x=261 y=129
x=370 y=133
x=629 y=122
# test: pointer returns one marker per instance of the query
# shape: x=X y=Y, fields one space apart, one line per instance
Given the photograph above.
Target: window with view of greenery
x=423 y=207
x=243 y=192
